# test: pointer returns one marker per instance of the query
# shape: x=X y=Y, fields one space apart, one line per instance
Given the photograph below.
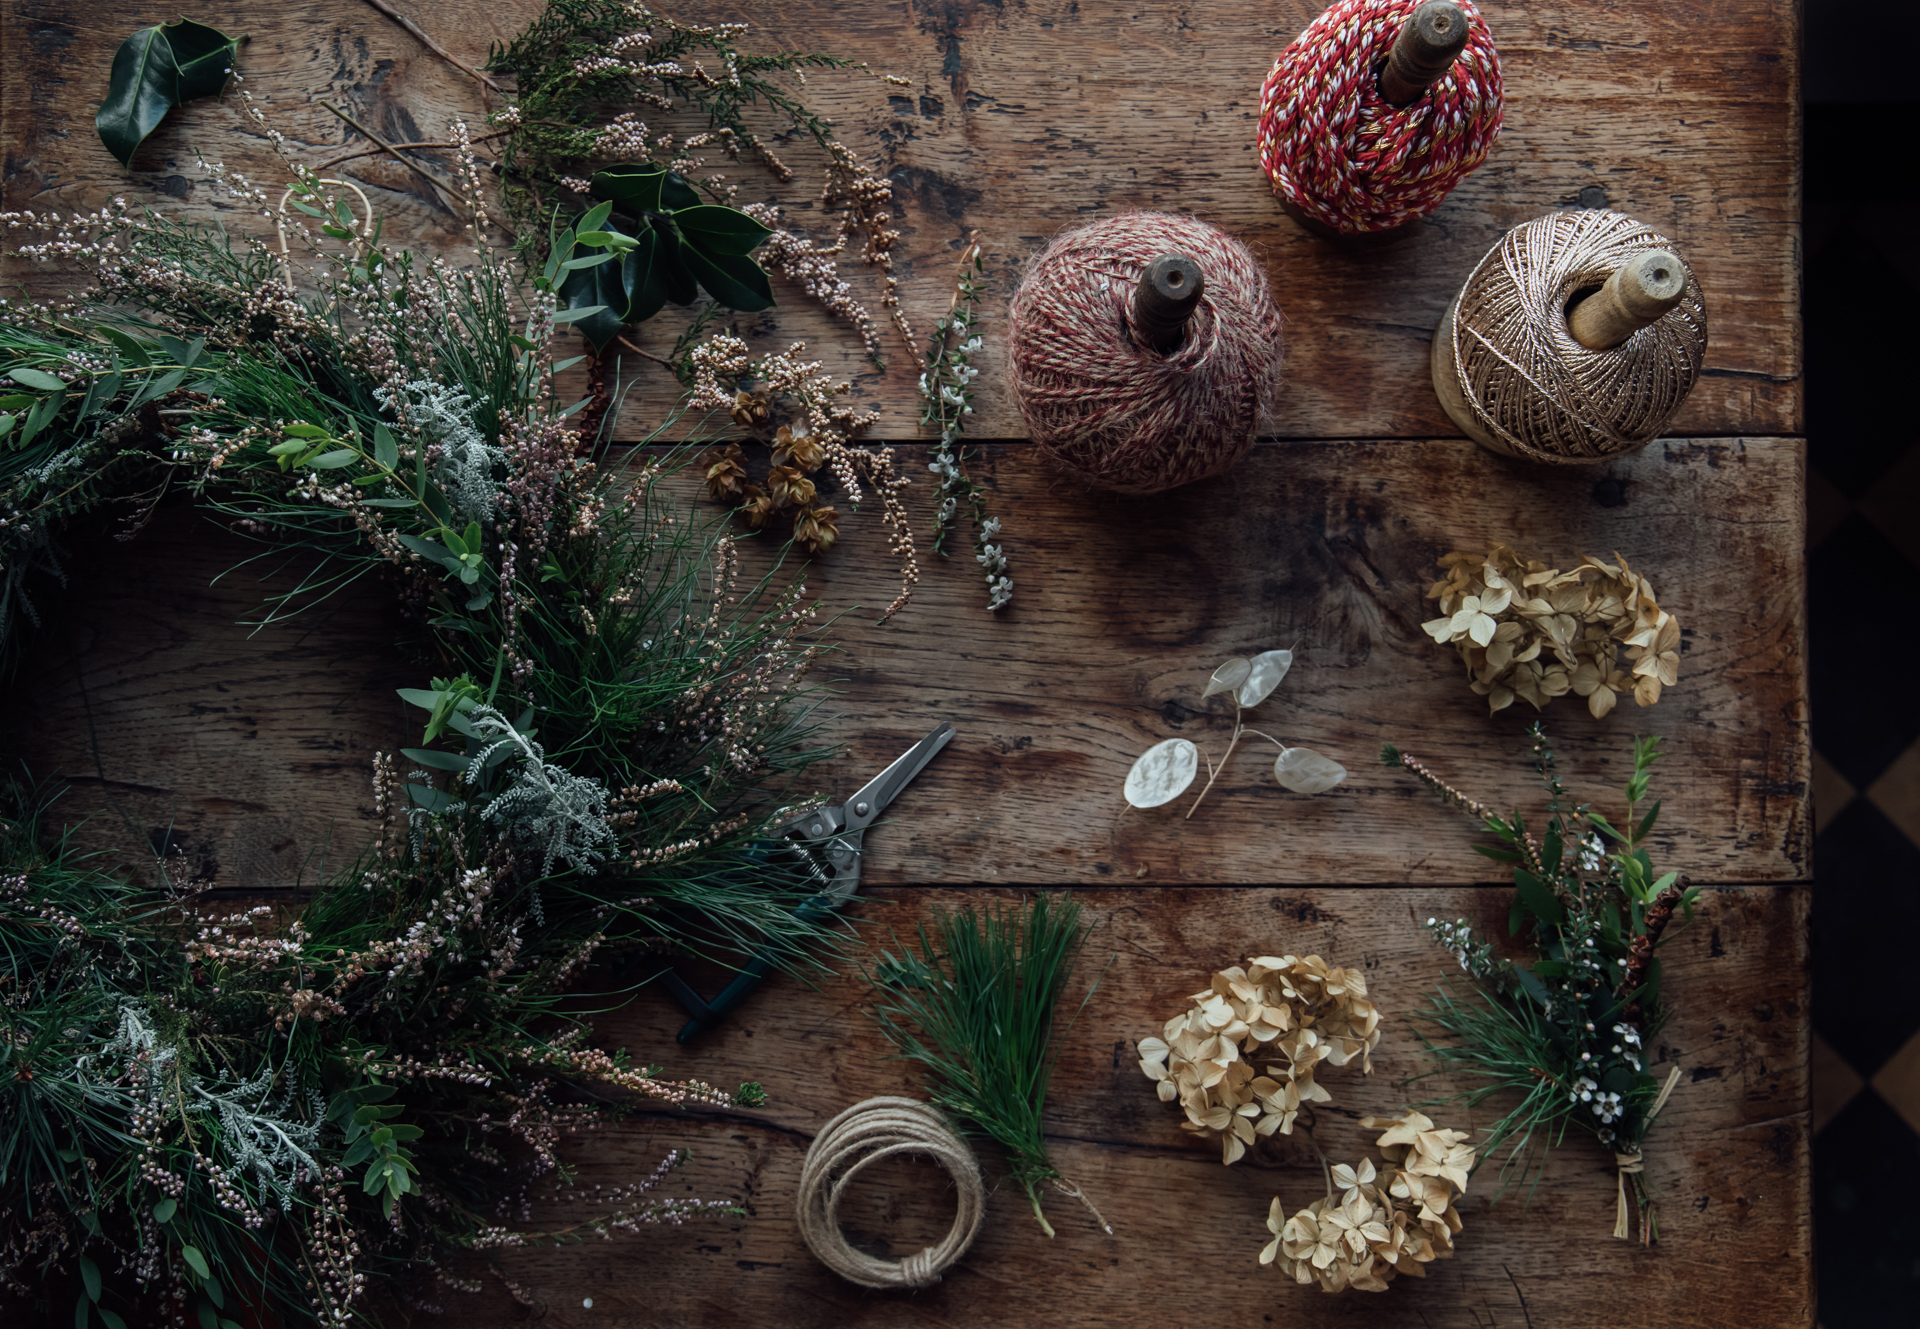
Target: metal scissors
x=828 y=843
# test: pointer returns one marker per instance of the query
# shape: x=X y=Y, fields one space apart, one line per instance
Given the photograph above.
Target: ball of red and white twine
x=1336 y=150
x=1510 y=372
x=1098 y=400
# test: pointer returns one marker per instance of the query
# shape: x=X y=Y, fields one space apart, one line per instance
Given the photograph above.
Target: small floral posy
x=1163 y=772
x=946 y=386
x=1569 y=1033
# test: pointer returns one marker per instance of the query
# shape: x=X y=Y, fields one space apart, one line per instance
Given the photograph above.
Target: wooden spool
x=1633 y=297
x=1429 y=42
x=1168 y=293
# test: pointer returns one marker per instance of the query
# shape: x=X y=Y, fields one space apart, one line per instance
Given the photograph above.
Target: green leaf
x=1646 y=823
x=425 y=796
x=113 y=1321
x=713 y=229
x=90 y=1277
x=357 y=1155
x=195 y=1260
x=299 y=430
x=735 y=281
x=390 y=502
x=133 y=350
x=183 y=353
x=601 y=290
x=209 y=1319
x=566 y=316
x=596 y=218
x=676 y=195
x=80 y=1313
x=1498 y=855
x=159 y=387
x=434 y=759
x=7 y=422
x=564 y=365
x=164 y=1209
x=636 y=188
x=38 y=379
x=575 y=264
x=155 y=70
x=402 y=1131
x=333 y=461
x=215 y=1295
x=653 y=275
x=1538 y=898
x=17 y=401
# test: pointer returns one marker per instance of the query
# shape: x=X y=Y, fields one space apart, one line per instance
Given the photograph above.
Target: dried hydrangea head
x=1382 y=1223
x=1533 y=633
x=1287 y=1010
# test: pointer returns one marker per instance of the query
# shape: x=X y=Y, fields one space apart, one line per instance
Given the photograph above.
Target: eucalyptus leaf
x=192 y=1255
x=1268 y=668
x=164 y=1209
x=1162 y=773
x=1307 y=772
x=155 y=70
x=37 y=379
x=385 y=450
x=1228 y=676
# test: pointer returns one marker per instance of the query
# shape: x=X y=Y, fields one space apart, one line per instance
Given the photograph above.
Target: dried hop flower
x=789 y=488
x=801 y=451
x=727 y=476
x=750 y=409
x=816 y=530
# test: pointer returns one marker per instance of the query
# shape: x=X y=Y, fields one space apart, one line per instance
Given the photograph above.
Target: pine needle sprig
x=976 y=1008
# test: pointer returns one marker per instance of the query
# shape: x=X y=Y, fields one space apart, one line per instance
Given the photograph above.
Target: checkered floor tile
x=1863 y=621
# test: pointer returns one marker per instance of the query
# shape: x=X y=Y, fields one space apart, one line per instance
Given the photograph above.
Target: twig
x=392 y=148
x=659 y=360
x=1213 y=773
x=433 y=45
x=403 y=147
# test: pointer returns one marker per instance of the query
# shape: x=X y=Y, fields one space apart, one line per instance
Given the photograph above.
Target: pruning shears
x=827 y=842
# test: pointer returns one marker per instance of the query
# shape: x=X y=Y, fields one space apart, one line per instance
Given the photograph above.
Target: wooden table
x=248 y=754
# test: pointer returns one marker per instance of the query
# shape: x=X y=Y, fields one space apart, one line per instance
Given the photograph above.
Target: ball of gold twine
x=1509 y=371
x=862 y=1135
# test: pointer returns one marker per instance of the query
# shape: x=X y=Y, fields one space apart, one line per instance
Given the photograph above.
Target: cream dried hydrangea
x=1532 y=632
x=1290 y=1014
x=1382 y=1223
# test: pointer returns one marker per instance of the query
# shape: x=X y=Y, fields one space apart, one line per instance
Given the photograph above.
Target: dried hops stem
x=1533 y=632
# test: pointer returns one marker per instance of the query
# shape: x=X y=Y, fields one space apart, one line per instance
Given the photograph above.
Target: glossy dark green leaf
x=713 y=229
x=643 y=276
x=735 y=281
x=602 y=286
x=155 y=70
x=676 y=194
x=635 y=188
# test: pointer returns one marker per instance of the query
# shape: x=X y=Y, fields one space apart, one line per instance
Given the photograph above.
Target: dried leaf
x=1162 y=773
x=1264 y=675
x=1307 y=772
x=1228 y=676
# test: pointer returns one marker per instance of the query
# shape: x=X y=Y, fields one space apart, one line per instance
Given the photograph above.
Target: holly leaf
x=600 y=286
x=635 y=188
x=713 y=229
x=155 y=70
x=734 y=280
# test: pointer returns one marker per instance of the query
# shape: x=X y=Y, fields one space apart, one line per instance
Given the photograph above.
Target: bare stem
x=1214 y=771
x=433 y=45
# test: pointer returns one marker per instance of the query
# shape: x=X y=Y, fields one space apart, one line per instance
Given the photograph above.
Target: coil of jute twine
x=1144 y=350
x=1378 y=110
x=1576 y=339
x=859 y=1137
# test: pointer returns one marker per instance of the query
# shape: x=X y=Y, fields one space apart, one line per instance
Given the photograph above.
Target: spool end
x=1637 y=294
x=1170 y=289
x=1429 y=42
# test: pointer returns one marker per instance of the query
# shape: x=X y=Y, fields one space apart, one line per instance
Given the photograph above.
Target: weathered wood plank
x=1029 y=117
x=1123 y=607
x=1727 y=1160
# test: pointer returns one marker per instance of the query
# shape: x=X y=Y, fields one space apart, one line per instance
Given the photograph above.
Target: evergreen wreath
x=208 y=1115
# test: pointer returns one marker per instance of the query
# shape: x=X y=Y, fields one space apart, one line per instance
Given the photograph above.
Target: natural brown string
x=864 y=1134
x=1099 y=402
x=1630 y=1164
x=1533 y=389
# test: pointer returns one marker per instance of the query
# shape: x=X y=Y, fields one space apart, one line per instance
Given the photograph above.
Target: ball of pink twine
x=1335 y=149
x=1101 y=403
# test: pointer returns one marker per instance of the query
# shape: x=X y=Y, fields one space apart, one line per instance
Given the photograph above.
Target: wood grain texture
x=1123 y=608
x=1726 y=1161
x=1023 y=118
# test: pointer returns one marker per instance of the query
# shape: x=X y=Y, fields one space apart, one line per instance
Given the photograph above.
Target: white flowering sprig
x=946 y=386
